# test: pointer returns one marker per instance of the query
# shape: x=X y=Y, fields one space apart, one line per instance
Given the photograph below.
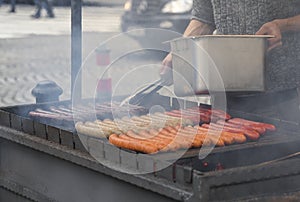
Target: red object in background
x=104 y=88
x=102 y=57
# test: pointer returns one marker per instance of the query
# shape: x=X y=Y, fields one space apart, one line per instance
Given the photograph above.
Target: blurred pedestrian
x=48 y=6
x=12 y=6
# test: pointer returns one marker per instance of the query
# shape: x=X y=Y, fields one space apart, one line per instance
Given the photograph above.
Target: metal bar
x=76 y=48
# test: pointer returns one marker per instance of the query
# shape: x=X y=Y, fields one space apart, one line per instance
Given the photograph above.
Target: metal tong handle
x=157 y=88
x=157 y=82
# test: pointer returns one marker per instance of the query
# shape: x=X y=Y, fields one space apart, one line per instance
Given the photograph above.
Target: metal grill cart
x=44 y=160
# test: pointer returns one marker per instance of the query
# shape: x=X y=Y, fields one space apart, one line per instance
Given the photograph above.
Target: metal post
x=76 y=48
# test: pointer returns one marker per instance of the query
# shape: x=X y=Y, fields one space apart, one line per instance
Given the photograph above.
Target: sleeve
x=296 y=5
x=203 y=11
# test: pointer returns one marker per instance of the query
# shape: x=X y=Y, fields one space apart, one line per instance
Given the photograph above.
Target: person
x=48 y=7
x=12 y=6
x=280 y=18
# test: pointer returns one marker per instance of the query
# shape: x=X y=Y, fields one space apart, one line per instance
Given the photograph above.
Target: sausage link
x=95 y=132
x=132 y=145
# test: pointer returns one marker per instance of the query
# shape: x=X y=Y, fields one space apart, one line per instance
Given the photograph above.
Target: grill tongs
x=138 y=96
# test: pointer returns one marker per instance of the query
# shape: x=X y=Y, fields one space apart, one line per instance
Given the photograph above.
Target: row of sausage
x=174 y=130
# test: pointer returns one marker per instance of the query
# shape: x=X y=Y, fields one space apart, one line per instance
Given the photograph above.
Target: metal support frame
x=43 y=177
x=49 y=171
x=76 y=48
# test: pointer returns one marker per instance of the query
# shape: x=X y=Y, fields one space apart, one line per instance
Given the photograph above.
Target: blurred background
x=37 y=49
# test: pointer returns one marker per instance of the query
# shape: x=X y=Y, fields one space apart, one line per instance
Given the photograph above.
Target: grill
x=239 y=171
x=44 y=160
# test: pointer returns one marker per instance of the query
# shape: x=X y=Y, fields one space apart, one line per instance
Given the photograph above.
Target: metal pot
x=214 y=63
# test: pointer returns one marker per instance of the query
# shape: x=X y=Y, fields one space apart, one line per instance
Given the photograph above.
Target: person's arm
x=277 y=28
x=202 y=23
x=195 y=28
x=289 y=24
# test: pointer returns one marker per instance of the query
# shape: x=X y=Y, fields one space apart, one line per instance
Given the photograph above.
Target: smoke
x=132 y=68
x=277 y=105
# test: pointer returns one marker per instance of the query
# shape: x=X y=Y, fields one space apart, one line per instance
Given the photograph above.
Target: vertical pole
x=76 y=48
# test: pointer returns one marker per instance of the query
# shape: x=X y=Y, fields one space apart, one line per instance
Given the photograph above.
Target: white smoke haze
x=130 y=72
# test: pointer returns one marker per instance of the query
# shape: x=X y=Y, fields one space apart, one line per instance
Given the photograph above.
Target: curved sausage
x=260 y=130
x=248 y=122
x=250 y=134
x=132 y=145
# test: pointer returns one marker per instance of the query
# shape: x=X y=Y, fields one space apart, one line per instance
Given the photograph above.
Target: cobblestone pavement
x=35 y=50
x=26 y=61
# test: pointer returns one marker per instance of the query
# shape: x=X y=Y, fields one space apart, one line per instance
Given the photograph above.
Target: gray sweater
x=246 y=17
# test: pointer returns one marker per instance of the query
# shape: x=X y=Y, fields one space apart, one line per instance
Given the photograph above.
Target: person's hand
x=167 y=62
x=271 y=28
x=166 y=70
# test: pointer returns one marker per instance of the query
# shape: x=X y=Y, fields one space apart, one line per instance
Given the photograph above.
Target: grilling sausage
x=250 y=134
x=159 y=144
x=132 y=145
x=250 y=123
x=259 y=129
x=203 y=134
x=176 y=120
x=142 y=142
x=45 y=115
x=176 y=138
x=105 y=127
x=171 y=144
x=237 y=137
x=204 y=117
x=227 y=138
x=219 y=113
x=81 y=128
x=110 y=128
x=182 y=115
x=173 y=136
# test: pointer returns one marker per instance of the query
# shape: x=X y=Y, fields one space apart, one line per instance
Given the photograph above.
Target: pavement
x=32 y=50
x=20 y=25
